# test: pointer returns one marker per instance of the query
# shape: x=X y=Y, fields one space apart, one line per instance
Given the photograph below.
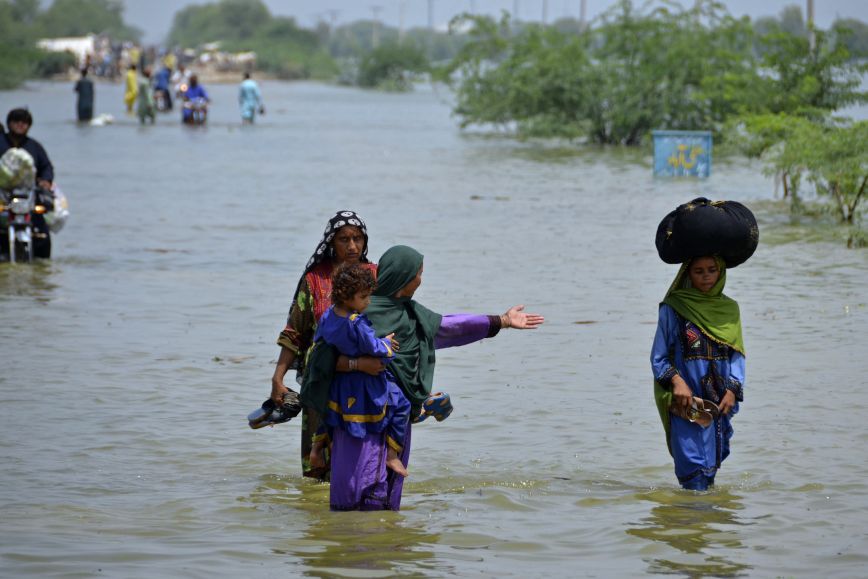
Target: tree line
x=771 y=89
x=23 y=22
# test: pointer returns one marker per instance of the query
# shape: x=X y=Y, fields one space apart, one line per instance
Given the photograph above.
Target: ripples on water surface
x=132 y=359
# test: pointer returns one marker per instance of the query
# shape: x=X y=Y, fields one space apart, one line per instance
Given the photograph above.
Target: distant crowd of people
x=147 y=93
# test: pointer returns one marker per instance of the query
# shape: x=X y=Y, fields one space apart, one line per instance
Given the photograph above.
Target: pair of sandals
x=701 y=412
x=270 y=413
x=438 y=405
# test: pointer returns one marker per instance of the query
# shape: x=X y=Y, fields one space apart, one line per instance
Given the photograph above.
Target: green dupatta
x=716 y=315
x=414 y=325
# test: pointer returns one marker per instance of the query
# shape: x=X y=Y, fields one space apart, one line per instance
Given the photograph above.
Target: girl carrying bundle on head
x=699 y=370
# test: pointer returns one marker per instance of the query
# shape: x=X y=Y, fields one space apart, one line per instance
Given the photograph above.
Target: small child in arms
x=359 y=403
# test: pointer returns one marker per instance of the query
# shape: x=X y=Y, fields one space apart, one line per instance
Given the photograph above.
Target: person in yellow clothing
x=132 y=90
x=169 y=61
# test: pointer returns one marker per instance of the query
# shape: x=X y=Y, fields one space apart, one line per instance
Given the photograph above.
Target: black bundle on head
x=702 y=227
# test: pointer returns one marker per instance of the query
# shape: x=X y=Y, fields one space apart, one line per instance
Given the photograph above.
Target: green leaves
x=634 y=71
x=613 y=84
x=829 y=154
x=281 y=46
x=391 y=66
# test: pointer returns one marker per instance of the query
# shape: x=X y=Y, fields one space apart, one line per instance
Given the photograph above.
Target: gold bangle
x=504 y=321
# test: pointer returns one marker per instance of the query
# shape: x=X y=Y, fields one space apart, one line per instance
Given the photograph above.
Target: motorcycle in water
x=195 y=111
x=162 y=100
x=29 y=214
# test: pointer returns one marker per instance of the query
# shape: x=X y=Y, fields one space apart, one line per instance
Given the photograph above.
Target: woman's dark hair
x=19 y=115
x=349 y=279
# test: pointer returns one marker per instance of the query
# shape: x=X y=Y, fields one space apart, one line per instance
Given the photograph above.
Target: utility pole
x=375 y=26
x=516 y=8
x=431 y=15
x=812 y=38
x=333 y=19
x=402 y=8
x=545 y=12
x=583 y=15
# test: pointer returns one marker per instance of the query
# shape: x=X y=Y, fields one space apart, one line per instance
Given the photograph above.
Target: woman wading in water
x=360 y=479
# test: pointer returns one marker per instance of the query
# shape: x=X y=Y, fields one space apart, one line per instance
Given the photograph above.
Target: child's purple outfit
x=361 y=404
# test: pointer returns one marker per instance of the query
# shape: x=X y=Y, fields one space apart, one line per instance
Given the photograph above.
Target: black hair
x=350 y=279
x=19 y=115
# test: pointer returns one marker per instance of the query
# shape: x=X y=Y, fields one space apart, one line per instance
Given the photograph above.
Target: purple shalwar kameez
x=360 y=480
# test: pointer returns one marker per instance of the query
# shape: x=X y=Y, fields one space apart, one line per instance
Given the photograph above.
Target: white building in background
x=80 y=46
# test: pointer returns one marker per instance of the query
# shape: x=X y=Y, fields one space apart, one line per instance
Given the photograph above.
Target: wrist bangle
x=354 y=364
x=504 y=321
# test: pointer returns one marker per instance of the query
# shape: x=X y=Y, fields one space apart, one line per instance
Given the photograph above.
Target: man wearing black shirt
x=19 y=122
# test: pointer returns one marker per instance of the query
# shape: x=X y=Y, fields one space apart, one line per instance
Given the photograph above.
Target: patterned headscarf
x=324 y=249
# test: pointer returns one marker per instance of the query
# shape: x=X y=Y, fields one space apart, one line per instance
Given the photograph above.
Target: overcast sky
x=155 y=16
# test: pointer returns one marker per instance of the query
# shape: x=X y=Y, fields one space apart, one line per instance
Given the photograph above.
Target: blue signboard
x=682 y=153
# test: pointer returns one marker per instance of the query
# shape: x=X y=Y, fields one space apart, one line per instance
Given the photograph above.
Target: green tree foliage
x=853 y=34
x=391 y=66
x=227 y=20
x=355 y=39
x=830 y=155
x=281 y=46
x=807 y=82
x=638 y=70
x=671 y=68
x=19 y=57
x=539 y=80
x=792 y=22
x=80 y=17
x=24 y=12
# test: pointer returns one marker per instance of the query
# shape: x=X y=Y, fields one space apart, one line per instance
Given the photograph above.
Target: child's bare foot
x=316 y=458
x=396 y=465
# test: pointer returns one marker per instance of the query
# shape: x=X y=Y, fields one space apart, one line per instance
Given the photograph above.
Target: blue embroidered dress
x=710 y=368
x=361 y=404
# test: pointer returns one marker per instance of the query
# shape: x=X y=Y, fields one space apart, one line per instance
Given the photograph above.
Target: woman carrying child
x=359 y=403
x=360 y=479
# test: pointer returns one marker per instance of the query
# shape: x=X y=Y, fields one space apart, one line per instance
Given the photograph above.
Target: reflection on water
x=132 y=359
x=699 y=527
x=346 y=544
x=32 y=280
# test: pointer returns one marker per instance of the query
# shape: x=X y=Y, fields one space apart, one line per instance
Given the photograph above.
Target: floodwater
x=131 y=360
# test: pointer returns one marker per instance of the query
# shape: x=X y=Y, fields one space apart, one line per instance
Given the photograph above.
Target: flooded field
x=132 y=358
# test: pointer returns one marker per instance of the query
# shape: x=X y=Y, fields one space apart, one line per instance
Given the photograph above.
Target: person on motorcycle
x=195 y=93
x=19 y=122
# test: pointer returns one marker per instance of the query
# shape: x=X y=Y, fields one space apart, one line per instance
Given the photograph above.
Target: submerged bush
x=391 y=67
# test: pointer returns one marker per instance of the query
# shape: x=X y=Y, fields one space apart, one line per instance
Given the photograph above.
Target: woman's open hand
x=516 y=318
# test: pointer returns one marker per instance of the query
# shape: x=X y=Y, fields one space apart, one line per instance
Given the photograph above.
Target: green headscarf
x=413 y=324
x=716 y=315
